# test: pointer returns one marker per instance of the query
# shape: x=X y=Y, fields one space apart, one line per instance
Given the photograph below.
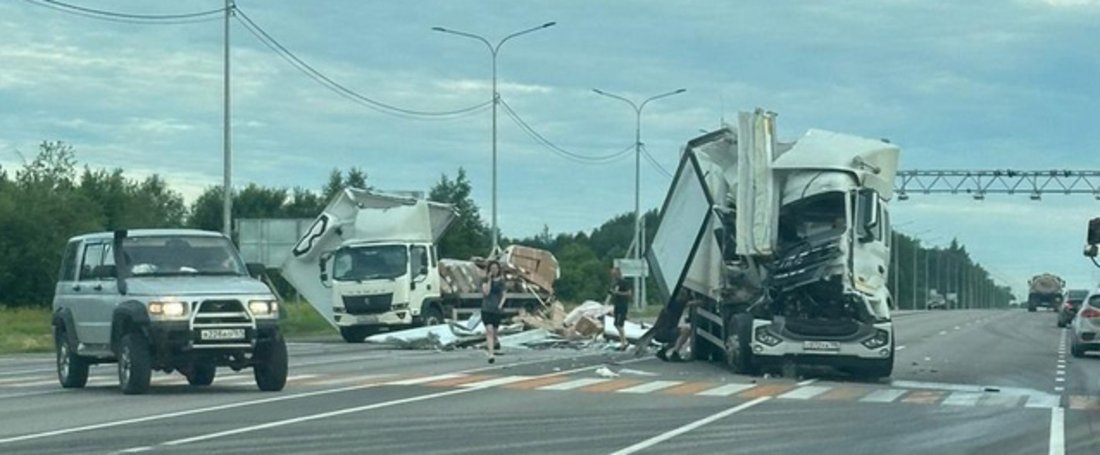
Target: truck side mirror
x=255 y=269
x=1094 y=231
x=867 y=214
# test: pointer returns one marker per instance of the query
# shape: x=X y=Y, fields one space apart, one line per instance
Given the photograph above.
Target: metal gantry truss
x=978 y=183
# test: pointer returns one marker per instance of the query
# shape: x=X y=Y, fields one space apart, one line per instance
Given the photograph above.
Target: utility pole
x=227 y=167
x=916 y=251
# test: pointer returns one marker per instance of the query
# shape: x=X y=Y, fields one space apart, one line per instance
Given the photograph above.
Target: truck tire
x=356 y=334
x=72 y=369
x=135 y=364
x=431 y=315
x=1031 y=308
x=271 y=367
x=202 y=374
x=1076 y=350
x=739 y=357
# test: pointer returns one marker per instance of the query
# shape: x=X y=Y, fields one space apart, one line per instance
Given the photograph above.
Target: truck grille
x=368 y=304
x=822 y=327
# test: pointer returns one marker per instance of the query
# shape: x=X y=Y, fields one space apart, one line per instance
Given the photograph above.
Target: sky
x=981 y=84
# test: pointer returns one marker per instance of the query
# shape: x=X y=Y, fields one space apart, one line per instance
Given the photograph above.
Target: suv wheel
x=270 y=369
x=72 y=370
x=135 y=364
x=202 y=374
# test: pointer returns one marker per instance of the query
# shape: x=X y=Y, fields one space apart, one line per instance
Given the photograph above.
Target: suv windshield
x=181 y=255
x=370 y=263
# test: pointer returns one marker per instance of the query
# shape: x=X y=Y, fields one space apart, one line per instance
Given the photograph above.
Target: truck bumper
x=399 y=317
x=777 y=347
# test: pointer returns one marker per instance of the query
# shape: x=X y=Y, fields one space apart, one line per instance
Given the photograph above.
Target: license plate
x=828 y=346
x=221 y=334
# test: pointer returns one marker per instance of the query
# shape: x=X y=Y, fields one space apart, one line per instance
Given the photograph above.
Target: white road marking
x=1000 y=399
x=36 y=370
x=686 y=428
x=805 y=393
x=1060 y=373
x=900 y=348
x=650 y=387
x=1045 y=400
x=1059 y=388
x=962 y=399
x=31 y=394
x=137 y=450
x=726 y=390
x=806 y=382
x=34 y=383
x=1059 y=379
x=496 y=382
x=427 y=379
x=1057 y=432
x=943 y=332
x=883 y=396
x=574 y=384
x=346 y=379
x=958 y=328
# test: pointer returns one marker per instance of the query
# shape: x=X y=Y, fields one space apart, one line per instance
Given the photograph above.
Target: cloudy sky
x=958 y=85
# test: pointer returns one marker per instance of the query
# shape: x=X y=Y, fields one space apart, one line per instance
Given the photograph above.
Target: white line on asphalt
x=962 y=399
x=496 y=382
x=943 y=332
x=1045 y=400
x=686 y=428
x=958 y=328
x=1060 y=373
x=346 y=379
x=137 y=450
x=805 y=393
x=883 y=396
x=574 y=384
x=427 y=379
x=726 y=390
x=650 y=387
x=37 y=370
x=1059 y=388
x=900 y=348
x=1057 y=432
x=806 y=382
x=31 y=394
x=34 y=383
x=1059 y=379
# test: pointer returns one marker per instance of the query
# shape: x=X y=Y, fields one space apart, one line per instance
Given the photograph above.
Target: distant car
x=1070 y=307
x=1086 y=326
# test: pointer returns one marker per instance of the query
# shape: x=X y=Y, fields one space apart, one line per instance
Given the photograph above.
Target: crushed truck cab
x=786 y=246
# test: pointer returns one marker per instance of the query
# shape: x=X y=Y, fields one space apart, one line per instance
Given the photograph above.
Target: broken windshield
x=181 y=255
x=370 y=263
x=812 y=217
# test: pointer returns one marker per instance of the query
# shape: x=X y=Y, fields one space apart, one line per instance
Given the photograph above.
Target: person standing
x=492 y=306
x=621 y=293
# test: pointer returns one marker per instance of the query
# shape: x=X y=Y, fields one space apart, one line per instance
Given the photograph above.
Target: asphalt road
x=965 y=382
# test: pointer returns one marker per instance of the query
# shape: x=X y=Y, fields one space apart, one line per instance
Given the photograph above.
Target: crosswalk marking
x=883 y=396
x=495 y=382
x=690 y=388
x=650 y=387
x=426 y=379
x=726 y=390
x=1043 y=401
x=923 y=397
x=997 y=399
x=805 y=392
x=574 y=384
x=962 y=399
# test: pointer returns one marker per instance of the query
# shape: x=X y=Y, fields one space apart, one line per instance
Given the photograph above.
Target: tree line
x=51 y=198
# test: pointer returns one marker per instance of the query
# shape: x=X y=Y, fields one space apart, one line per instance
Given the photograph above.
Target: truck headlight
x=762 y=335
x=168 y=309
x=263 y=307
x=881 y=338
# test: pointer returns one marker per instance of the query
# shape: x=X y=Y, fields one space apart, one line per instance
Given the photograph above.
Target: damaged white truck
x=786 y=246
x=369 y=264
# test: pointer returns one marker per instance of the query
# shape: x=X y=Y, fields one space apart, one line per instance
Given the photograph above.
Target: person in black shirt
x=492 y=307
x=621 y=293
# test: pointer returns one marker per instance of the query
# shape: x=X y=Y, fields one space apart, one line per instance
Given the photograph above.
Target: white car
x=1085 y=333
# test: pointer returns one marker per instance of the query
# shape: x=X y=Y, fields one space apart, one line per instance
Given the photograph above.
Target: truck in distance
x=1045 y=290
x=164 y=299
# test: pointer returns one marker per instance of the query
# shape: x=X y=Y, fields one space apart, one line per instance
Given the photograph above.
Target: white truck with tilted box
x=785 y=245
x=369 y=264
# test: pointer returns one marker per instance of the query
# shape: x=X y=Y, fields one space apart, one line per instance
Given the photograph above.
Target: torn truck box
x=537 y=266
x=588 y=327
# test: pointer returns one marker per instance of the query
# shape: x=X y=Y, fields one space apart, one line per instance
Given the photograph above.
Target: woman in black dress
x=492 y=307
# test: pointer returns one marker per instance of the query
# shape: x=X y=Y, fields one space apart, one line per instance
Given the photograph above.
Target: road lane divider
x=689 y=427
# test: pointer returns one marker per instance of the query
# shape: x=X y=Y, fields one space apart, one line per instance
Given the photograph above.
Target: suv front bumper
x=179 y=336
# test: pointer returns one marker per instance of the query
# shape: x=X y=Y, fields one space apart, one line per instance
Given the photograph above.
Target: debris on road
x=605 y=372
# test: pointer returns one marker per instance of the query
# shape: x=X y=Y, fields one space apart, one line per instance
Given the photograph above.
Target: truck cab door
x=870 y=245
x=424 y=284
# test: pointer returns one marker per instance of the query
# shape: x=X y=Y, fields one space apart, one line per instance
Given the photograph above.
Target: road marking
x=346 y=379
x=1084 y=403
x=422 y=380
x=962 y=399
x=805 y=392
x=1059 y=388
x=769 y=390
x=42 y=382
x=943 y=332
x=36 y=370
x=686 y=428
x=137 y=449
x=1059 y=379
x=536 y=383
x=726 y=390
x=1059 y=373
x=31 y=394
x=1057 y=432
x=690 y=388
x=464 y=379
x=900 y=348
x=496 y=382
x=650 y=386
x=883 y=396
x=958 y=328
x=923 y=397
x=1000 y=399
x=844 y=393
x=574 y=384
x=1045 y=400
x=806 y=382
x=611 y=386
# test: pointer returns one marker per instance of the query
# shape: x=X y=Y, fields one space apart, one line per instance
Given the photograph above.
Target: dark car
x=1069 y=308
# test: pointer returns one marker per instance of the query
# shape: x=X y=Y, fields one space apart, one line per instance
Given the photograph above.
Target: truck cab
x=164 y=299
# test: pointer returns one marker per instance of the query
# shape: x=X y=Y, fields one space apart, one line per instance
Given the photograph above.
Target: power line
x=540 y=139
x=653 y=161
x=342 y=90
x=132 y=18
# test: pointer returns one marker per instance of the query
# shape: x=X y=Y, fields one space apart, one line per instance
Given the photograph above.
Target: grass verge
x=25 y=330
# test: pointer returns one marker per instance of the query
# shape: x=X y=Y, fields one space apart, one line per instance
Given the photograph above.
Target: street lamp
x=494 y=50
x=637 y=173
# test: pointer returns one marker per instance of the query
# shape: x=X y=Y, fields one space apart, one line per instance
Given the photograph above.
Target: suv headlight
x=168 y=309
x=263 y=307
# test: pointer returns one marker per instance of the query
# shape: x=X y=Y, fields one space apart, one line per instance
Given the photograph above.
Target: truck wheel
x=202 y=374
x=1076 y=350
x=72 y=370
x=270 y=369
x=431 y=315
x=1031 y=308
x=739 y=357
x=135 y=364
x=355 y=334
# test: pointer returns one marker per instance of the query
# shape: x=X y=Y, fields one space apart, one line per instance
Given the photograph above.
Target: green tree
x=468 y=235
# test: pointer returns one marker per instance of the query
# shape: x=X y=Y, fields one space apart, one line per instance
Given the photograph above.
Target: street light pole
x=638 y=175
x=227 y=165
x=494 y=50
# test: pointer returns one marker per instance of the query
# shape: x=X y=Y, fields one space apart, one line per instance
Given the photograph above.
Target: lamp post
x=494 y=50
x=637 y=174
x=227 y=164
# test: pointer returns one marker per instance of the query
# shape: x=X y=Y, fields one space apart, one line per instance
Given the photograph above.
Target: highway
x=997 y=382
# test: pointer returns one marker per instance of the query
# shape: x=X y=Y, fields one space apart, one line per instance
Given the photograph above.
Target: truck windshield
x=181 y=255
x=370 y=263
x=811 y=217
